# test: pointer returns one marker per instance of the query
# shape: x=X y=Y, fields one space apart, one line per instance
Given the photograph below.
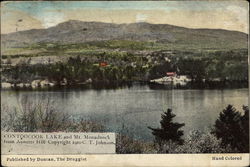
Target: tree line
x=223 y=66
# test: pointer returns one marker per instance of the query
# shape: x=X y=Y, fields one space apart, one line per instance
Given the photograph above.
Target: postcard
x=124 y=83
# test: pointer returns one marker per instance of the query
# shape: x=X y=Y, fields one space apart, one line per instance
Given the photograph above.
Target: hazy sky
x=231 y=15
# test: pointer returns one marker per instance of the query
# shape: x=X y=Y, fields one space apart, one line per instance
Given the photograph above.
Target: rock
x=27 y=85
x=44 y=83
x=5 y=85
x=88 y=80
x=64 y=82
x=21 y=85
x=51 y=84
x=216 y=79
x=35 y=83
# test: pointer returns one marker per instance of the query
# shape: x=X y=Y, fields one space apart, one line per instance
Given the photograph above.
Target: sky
x=230 y=15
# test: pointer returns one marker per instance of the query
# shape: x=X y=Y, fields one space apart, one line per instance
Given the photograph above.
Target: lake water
x=133 y=109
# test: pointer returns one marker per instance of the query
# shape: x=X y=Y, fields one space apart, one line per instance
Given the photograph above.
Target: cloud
x=10 y=23
x=51 y=18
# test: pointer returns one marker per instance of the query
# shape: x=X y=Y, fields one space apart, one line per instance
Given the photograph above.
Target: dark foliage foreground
x=233 y=128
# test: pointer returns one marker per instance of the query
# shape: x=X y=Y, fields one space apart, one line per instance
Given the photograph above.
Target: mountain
x=79 y=32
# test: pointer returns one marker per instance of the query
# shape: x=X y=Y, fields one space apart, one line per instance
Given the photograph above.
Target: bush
x=195 y=142
x=42 y=117
x=168 y=147
x=198 y=142
x=127 y=145
x=84 y=126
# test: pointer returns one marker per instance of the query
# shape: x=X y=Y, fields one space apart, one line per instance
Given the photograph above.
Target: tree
x=8 y=60
x=244 y=128
x=169 y=130
x=232 y=128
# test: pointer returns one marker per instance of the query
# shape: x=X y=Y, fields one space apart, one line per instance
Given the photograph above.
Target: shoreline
x=121 y=84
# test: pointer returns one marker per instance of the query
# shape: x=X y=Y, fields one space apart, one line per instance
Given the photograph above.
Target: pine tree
x=169 y=130
x=232 y=128
x=244 y=127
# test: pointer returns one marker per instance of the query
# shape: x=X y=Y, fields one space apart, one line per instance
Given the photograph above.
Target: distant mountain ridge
x=74 y=31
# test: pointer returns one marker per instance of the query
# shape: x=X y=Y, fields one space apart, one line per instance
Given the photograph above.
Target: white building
x=172 y=79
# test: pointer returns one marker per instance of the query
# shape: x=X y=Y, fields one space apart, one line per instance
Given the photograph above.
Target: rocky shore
x=39 y=83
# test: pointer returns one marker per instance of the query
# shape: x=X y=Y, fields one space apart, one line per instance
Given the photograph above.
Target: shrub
x=195 y=142
x=127 y=145
x=168 y=147
x=43 y=117
x=84 y=126
x=200 y=142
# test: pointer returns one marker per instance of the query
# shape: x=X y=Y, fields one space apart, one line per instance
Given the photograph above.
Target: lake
x=132 y=109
